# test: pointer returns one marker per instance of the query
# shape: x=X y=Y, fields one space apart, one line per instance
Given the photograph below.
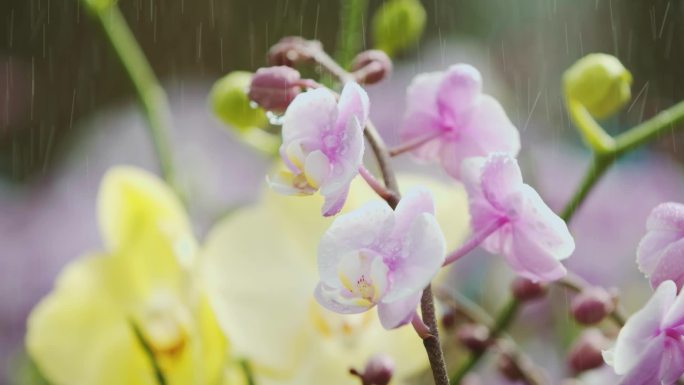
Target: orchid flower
x=449 y=119
x=650 y=347
x=83 y=332
x=509 y=218
x=377 y=256
x=661 y=251
x=322 y=144
x=263 y=291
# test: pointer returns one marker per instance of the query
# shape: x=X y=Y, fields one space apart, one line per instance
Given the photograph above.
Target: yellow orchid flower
x=260 y=264
x=88 y=330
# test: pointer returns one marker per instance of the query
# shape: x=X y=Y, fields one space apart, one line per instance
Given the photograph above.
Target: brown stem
x=432 y=347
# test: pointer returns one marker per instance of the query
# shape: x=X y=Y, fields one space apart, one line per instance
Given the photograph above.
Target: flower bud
x=508 y=368
x=273 y=88
x=230 y=103
x=592 y=305
x=449 y=319
x=586 y=352
x=291 y=50
x=600 y=83
x=475 y=337
x=398 y=25
x=526 y=290
x=378 y=371
x=370 y=67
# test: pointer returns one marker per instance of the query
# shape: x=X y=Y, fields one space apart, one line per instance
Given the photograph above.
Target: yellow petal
x=79 y=334
x=260 y=264
x=142 y=220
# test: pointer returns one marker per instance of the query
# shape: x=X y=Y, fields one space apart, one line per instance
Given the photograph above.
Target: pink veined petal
x=482 y=213
x=360 y=229
x=334 y=201
x=346 y=160
x=641 y=327
x=670 y=265
x=415 y=202
x=501 y=178
x=422 y=116
x=667 y=216
x=309 y=114
x=316 y=168
x=424 y=251
x=672 y=361
x=646 y=367
x=458 y=89
x=334 y=299
x=354 y=104
x=675 y=314
x=652 y=246
x=539 y=238
x=490 y=127
x=399 y=312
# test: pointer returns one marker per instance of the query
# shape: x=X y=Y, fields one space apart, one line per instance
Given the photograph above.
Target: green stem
x=151 y=95
x=158 y=374
x=350 y=34
x=599 y=165
x=650 y=129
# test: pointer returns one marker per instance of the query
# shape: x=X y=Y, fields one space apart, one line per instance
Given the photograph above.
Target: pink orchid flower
x=509 y=218
x=376 y=256
x=650 y=347
x=323 y=144
x=661 y=251
x=449 y=119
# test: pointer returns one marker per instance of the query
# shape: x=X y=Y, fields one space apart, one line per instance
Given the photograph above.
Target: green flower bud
x=600 y=83
x=398 y=25
x=230 y=103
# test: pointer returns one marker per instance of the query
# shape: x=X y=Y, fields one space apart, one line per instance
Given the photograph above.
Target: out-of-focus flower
x=288 y=338
x=376 y=256
x=398 y=25
x=230 y=103
x=449 y=119
x=599 y=82
x=660 y=254
x=323 y=145
x=649 y=348
x=83 y=332
x=517 y=222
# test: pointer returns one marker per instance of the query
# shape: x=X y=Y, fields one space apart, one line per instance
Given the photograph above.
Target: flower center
x=364 y=275
x=163 y=324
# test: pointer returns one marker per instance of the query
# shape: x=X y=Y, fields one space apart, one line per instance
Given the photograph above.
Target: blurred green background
x=56 y=68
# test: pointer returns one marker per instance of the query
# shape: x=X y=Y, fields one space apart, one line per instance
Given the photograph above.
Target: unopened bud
x=508 y=368
x=273 y=88
x=378 y=370
x=526 y=290
x=372 y=66
x=592 y=305
x=398 y=25
x=586 y=352
x=293 y=49
x=449 y=319
x=599 y=82
x=475 y=337
x=230 y=103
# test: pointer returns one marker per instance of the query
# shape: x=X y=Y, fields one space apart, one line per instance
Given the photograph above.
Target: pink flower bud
x=592 y=305
x=371 y=66
x=474 y=336
x=378 y=371
x=449 y=319
x=293 y=49
x=585 y=353
x=526 y=290
x=508 y=368
x=273 y=88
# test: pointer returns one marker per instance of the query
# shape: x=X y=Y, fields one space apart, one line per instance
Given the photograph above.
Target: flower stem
x=349 y=37
x=375 y=184
x=474 y=241
x=151 y=96
x=413 y=144
x=158 y=374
